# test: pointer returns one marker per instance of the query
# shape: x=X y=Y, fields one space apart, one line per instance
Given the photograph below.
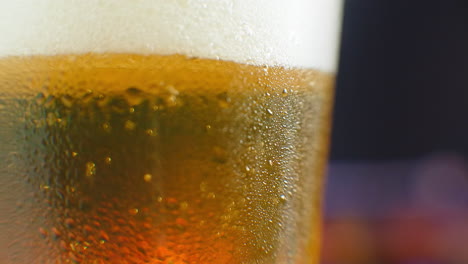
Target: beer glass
x=153 y=131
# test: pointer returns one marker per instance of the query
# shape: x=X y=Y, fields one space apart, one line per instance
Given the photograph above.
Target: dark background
x=397 y=185
x=402 y=88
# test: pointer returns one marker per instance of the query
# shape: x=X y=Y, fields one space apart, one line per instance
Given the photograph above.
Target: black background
x=402 y=88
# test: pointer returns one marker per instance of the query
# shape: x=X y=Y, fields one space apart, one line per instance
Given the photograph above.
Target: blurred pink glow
x=399 y=212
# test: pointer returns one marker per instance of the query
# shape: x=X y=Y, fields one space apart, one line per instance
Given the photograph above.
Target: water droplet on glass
x=172 y=90
x=106 y=127
x=150 y=132
x=129 y=125
x=51 y=119
x=134 y=96
x=43 y=232
x=147 y=177
x=219 y=155
x=103 y=235
x=184 y=205
x=56 y=232
x=224 y=100
x=70 y=223
x=203 y=186
x=181 y=222
x=67 y=101
x=90 y=169
x=172 y=203
x=133 y=211
x=108 y=160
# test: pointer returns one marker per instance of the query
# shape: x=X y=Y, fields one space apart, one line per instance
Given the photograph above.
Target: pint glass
x=156 y=131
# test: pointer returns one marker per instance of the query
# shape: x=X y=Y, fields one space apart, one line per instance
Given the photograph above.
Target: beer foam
x=296 y=33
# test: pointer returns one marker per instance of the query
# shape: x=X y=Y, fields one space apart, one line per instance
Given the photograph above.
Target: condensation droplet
x=70 y=223
x=150 y=132
x=131 y=110
x=108 y=160
x=129 y=125
x=181 y=222
x=147 y=177
x=224 y=100
x=103 y=236
x=74 y=154
x=203 y=186
x=133 y=211
x=90 y=169
x=106 y=127
x=219 y=155
x=172 y=203
x=270 y=112
x=67 y=101
x=247 y=168
x=51 y=119
x=43 y=232
x=172 y=90
x=171 y=98
x=270 y=162
x=70 y=189
x=184 y=206
x=134 y=97
x=56 y=232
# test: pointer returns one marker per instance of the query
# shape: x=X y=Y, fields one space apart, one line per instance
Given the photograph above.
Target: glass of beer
x=152 y=131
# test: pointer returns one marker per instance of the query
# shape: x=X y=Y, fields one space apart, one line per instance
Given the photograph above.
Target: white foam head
x=293 y=33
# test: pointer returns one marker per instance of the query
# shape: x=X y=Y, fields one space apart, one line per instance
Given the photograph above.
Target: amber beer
x=121 y=157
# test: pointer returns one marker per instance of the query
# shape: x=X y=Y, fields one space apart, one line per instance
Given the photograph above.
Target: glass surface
x=164 y=131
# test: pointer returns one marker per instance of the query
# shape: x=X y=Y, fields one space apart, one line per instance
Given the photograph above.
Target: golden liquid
x=119 y=158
